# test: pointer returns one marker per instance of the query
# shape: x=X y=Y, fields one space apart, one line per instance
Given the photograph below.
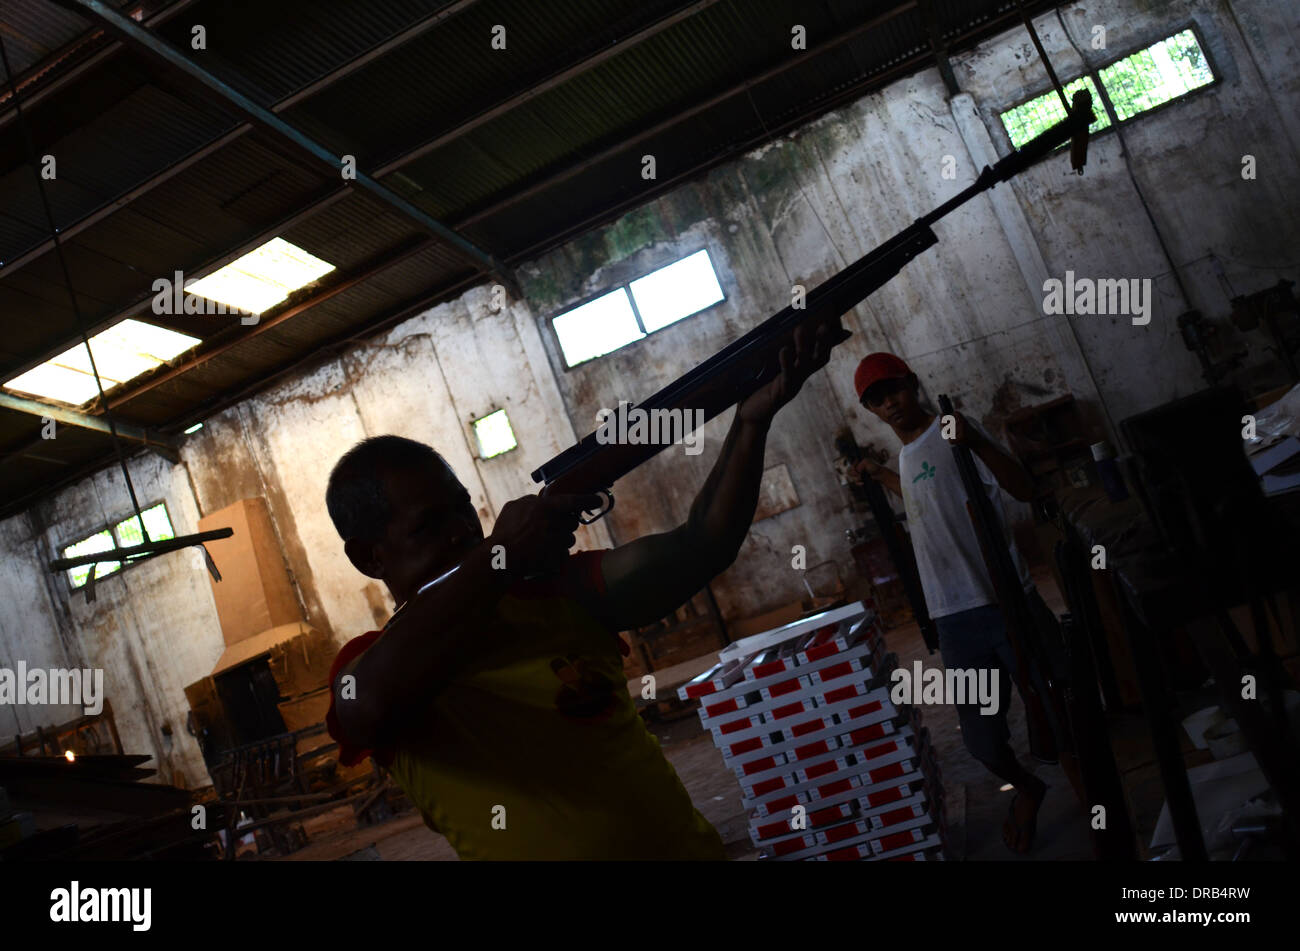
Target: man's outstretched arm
x=648 y=578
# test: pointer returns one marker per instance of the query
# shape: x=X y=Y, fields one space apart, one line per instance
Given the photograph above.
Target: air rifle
x=1025 y=643
x=738 y=370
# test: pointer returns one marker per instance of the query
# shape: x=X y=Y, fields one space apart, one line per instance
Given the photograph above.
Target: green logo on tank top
x=927 y=472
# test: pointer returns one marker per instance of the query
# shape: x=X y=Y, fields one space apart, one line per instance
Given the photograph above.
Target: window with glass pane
x=156 y=522
x=494 y=434
x=1153 y=76
x=1038 y=115
x=1139 y=82
x=597 y=327
x=675 y=291
x=101 y=541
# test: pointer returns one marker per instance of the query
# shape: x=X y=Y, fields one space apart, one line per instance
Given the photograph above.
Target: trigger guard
x=600 y=513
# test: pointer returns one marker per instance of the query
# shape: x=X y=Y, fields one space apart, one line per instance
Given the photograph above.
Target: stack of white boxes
x=831 y=769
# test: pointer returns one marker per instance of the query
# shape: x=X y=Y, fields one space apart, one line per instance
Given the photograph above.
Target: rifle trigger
x=600 y=513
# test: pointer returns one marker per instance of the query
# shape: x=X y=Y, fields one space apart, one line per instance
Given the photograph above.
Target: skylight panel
x=262 y=278
x=122 y=352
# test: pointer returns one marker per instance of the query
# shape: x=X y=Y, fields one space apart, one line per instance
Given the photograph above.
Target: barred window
x=1136 y=83
x=126 y=533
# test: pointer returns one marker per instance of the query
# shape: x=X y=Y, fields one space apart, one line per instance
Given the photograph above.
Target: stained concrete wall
x=1185 y=160
x=796 y=211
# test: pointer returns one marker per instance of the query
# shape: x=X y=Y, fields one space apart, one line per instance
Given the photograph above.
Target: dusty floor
x=976 y=803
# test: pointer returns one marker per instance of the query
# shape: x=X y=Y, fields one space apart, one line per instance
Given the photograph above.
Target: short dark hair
x=355 y=496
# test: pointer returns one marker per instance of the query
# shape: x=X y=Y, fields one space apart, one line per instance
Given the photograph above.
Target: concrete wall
x=1185 y=159
x=967 y=315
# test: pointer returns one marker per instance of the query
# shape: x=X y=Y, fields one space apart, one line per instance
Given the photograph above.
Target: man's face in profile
x=433 y=526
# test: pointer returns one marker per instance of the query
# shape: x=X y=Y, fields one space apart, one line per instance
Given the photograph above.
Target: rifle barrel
x=747 y=364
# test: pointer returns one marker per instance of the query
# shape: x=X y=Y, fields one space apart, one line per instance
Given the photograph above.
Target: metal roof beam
x=161 y=52
x=141 y=305
x=46 y=89
x=790 y=62
x=71 y=417
x=219 y=142
x=583 y=65
x=343 y=283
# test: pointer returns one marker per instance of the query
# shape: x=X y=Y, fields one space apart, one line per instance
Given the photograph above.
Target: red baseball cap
x=876 y=367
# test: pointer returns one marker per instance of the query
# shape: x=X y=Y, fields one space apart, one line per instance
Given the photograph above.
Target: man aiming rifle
x=496 y=694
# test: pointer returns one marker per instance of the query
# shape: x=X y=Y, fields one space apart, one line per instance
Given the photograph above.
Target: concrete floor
x=976 y=803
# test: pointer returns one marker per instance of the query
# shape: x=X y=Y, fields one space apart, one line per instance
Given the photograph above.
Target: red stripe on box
x=895 y=816
x=700 y=690
x=840 y=833
x=764 y=670
x=851 y=854
x=892 y=771
x=769 y=785
x=828 y=649
x=823 y=633
x=835 y=670
x=809 y=726
x=842 y=693
x=745 y=746
x=790 y=845
x=881 y=750
x=758 y=765
x=780 y=713
x=812 y=749
x=898 y=840
x=873 y=732
x=784 y=687
x=821 y=769
x=863 y=710
x=727 y=706
x=835 y=788
x=785 y=802
x=736 y=726
x=771 y=829
x=823 y=816
x=891 y=794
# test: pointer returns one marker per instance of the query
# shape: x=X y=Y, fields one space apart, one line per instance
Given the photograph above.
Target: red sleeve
x=350 y=755
x=587 y=570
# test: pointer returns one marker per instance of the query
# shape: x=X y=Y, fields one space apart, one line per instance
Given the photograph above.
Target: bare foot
x=1022 y=818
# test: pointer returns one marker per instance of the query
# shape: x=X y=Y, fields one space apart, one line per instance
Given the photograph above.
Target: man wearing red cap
x=958 y=591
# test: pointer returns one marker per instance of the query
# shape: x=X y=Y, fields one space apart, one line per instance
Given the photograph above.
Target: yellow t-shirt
x=536 y=750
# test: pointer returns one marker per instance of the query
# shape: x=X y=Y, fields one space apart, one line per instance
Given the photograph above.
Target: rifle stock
x=1011 y=599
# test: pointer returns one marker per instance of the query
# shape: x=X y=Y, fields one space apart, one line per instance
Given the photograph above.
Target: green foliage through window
x=155 y=520
x=1038 y=115
x=1135 y=84
x=100 y=541
x=1153 y=76
x=127 y=533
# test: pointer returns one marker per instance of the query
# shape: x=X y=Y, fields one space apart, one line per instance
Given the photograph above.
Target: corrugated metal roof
x=673 y=78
